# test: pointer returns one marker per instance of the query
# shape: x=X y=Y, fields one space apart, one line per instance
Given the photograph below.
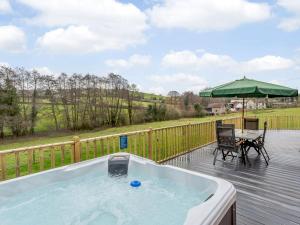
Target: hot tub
x=84 y=194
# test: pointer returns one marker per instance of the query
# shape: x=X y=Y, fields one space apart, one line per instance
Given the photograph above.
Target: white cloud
x=268 y=62
x=5 y=6
x=12 y=39
x=180 y=59
x=88 y=25
x=132 y=61
x=207 y=15
x=182 y=81
x=291 y=23
x=44 y=70
x=72 y=39
x=290 y=5
x=192 y=61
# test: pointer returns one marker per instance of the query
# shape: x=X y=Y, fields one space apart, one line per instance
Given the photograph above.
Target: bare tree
x=34 y=78
x=90 y=112
x=63 y=90
x=25 y=97
x=115 y=87
x=174 y=96
x=75 y=92
x=51 y=92
x=132 y=93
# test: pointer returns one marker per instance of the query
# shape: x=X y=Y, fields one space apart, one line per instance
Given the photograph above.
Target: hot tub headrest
x=118 y=164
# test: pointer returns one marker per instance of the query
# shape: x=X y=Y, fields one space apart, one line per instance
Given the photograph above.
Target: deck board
x=265 y=194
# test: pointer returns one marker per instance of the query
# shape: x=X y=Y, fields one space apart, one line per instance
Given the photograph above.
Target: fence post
x=212 y=131
x=150 y=143
x=76 y=149
x=3 y=167
x=189 y=136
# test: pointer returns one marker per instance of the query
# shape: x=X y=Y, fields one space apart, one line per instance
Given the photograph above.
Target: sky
x=160 y=45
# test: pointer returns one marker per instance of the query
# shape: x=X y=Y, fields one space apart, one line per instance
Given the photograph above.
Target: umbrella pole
x=243 y=115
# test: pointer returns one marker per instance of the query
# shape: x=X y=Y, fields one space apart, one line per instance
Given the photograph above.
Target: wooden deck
x=266 y=194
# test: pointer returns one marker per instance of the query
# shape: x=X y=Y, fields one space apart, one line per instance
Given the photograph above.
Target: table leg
x=243 y=155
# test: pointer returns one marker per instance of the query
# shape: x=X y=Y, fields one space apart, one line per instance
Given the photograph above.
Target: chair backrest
x=226 y=137
x=218 y=123
x=264 y=133
x=251 y=123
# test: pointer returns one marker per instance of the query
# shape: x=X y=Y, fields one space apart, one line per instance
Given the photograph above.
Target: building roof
x=216 y=105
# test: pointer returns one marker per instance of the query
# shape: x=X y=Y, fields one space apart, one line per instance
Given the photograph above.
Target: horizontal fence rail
x=158 y=144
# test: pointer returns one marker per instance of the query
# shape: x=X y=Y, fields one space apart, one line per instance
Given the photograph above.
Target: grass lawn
x=66 y=136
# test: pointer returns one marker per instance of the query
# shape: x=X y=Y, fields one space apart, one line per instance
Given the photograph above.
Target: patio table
x=247 y=135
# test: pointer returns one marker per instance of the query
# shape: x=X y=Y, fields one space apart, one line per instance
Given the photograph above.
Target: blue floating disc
x=135 y=183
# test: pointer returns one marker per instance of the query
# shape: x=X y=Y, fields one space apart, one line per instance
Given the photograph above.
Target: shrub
x=139 y=116
x=156 y=113
x=199 y=110
x=173 y=113
x=123 y=120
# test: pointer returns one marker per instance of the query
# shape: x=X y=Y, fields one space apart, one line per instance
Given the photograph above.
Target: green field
x=61 y=136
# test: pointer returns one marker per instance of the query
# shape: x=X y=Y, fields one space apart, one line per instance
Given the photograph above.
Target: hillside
x=66 y=136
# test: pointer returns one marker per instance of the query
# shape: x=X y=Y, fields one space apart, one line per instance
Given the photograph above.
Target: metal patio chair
x=218 y=123
x=251 y=123
x=227 y=143
x=259 y=145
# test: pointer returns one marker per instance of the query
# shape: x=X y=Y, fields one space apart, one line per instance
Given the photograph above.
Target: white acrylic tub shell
x=209 y=212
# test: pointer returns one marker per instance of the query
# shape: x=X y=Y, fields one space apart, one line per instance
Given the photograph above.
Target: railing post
x=212 y=131
x=30 y=157
x=150 y=143
x=215 y=131
x=17 y=163
x=3 y=167
x=76 y=149
x=189 y=136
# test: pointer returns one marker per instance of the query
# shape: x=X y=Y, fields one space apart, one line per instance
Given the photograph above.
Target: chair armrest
x=240 y=142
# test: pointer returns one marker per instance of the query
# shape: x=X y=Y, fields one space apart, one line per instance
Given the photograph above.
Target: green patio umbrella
x=248 y=88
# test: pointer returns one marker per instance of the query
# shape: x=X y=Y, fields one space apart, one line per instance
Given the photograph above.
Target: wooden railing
x=289 y=122
x=23 y=161
x=158 y=144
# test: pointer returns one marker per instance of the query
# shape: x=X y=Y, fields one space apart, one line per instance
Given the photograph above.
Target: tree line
x=75 y=101
x=81 y=101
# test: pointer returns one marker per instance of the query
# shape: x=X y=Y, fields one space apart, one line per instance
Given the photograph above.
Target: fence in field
x=158 y=144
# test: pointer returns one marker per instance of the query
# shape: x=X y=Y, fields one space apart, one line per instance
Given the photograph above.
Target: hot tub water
x=94 y=198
